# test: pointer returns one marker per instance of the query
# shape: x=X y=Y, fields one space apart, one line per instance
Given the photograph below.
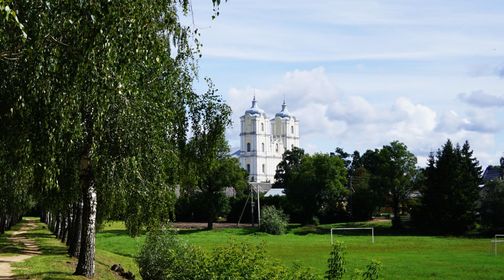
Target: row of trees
x=442 y=197
x=96 y=105
x=346 y=184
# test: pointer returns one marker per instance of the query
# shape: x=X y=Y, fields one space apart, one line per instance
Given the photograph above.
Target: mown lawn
x=402 y=256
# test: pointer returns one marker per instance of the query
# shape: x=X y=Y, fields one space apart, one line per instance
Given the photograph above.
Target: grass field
x=402 y=257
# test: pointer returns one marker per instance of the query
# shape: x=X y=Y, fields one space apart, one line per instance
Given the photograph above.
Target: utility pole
x=258 y=207
x=252 y=203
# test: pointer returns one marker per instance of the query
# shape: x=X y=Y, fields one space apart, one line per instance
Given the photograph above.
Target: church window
x=262 y=147
x=248 y=147
x=292 y=129
x=292 y=147
x=263 y=169
x=276 y=147
x=248 y=168
x=262 y=127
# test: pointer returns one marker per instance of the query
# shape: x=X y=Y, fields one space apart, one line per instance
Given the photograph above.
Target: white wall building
x=263 y=141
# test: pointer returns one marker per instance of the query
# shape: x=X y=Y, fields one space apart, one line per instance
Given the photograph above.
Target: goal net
x=498 y=238
x=348 y=229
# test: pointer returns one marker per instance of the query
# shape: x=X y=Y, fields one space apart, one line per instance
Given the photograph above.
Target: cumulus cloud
x=330 y=117
x=482 y=99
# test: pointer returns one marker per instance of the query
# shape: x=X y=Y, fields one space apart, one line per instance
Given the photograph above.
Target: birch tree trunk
x=86 y=265
x=75 y=239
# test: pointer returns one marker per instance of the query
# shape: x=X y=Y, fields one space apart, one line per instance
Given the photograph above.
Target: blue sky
x=360 y=74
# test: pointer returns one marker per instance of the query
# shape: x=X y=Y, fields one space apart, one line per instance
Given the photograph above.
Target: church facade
x=264 y=140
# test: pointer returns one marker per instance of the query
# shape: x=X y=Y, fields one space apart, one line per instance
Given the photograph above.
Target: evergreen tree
x=450 y=193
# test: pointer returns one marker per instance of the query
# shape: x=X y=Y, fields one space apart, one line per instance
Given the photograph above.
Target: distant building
x=264 y=140
x=274 y=192
x=493 y=173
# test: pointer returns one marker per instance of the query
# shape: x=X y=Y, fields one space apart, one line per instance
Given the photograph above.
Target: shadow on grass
x=41 y=235
x=190 y=231
x=54 y=275
x=379 y=229
x=123 y=254
x=113 y=232
x=8 y=247
x=237 y=231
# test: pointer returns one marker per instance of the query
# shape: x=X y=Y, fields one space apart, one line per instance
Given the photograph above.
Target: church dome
x=284 y=113
x=254 y=110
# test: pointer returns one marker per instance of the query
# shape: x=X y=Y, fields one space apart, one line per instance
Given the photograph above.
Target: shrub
x=372 y=271
x=273 y=220
x=244 y=261
x=336 y=266
x=336 y=262
x=164 y=256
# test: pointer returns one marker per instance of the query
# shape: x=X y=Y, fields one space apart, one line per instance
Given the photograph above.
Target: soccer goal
x=498 y=238
x=345 y=229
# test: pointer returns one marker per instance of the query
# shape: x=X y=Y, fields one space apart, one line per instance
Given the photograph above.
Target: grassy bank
x=53 y=262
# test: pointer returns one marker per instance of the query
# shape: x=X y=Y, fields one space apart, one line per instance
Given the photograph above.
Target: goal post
x=366 y=228
x=498 y=238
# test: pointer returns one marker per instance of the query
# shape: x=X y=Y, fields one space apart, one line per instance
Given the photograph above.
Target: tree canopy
x=492 y=205
x=315 y=184
x=98 y=99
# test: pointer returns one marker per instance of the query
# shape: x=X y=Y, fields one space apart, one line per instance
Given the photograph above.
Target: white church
x=264 y=140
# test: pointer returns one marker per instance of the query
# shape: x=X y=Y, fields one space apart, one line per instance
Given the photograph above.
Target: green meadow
x=402 y=256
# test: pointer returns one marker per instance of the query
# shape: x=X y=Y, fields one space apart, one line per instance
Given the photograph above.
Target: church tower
x=263 y=141
x=286 y=128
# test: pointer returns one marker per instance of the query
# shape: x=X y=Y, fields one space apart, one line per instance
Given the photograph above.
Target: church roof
x=492 y=173
x=254 y=110
x=275 y=192
x=284 y=113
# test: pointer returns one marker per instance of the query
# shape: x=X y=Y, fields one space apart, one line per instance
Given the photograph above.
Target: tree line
x=99 y=116
x=447 y=196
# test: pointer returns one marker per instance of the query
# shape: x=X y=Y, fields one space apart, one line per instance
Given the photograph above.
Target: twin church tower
x=264 y=140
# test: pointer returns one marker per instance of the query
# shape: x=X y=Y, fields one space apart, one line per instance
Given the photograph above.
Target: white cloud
x=481 y=99
x=298 y=31
x=330 y=117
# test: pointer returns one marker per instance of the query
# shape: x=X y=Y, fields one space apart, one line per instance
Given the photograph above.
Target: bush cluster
x=165 y=256
x=273 y=220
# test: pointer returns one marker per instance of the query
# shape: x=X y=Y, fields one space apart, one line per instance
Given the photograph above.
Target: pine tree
x=451 y=190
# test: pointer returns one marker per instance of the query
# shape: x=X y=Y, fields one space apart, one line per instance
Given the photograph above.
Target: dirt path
x=30 y=249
